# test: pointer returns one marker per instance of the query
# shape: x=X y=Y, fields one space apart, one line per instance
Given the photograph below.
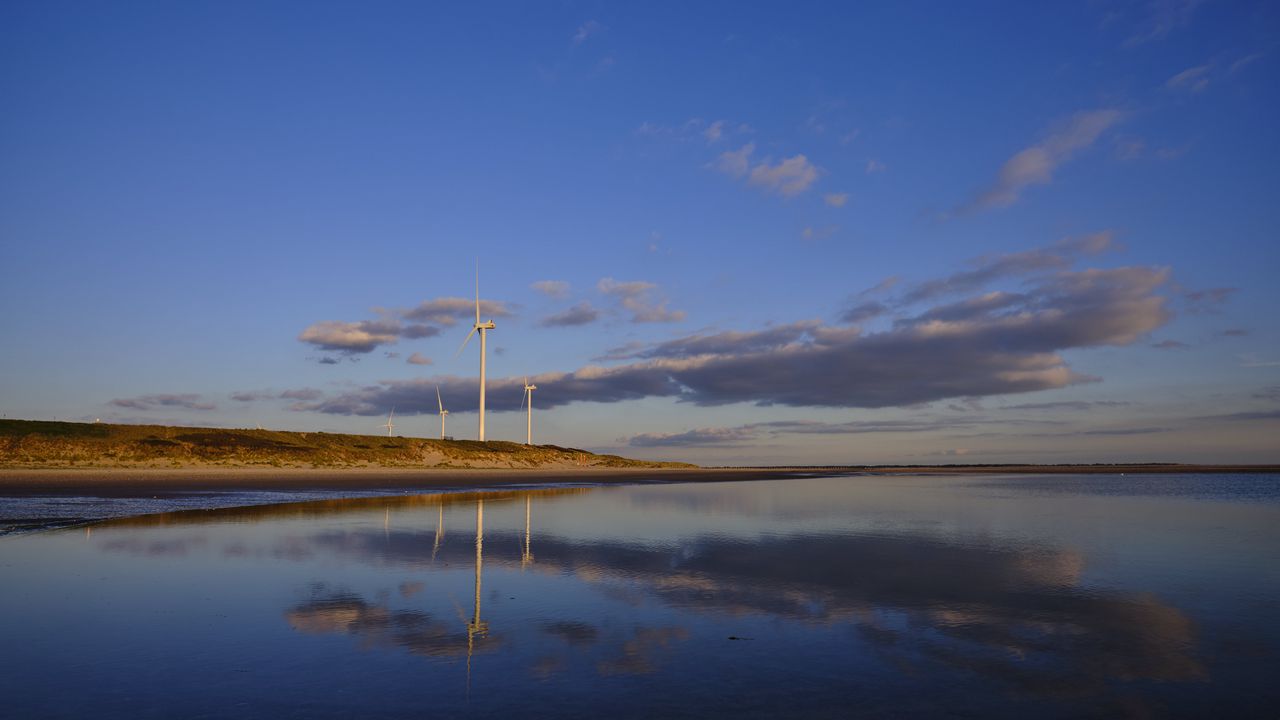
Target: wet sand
x=123 y=482
x=50 y=498
x=34 y=499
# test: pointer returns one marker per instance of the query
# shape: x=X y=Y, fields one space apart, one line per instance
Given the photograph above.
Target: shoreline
x=33 y=500
x=118 y=481
x=123 y=482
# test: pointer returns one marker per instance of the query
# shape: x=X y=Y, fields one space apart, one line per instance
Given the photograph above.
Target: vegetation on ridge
x=34 y=443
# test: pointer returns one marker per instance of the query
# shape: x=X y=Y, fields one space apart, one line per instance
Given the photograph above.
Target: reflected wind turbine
x=526 y=556
x=483 y=327
x=477 y=627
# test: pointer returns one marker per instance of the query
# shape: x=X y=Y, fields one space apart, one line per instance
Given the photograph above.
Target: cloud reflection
x=1015 y=614
x=378 y=626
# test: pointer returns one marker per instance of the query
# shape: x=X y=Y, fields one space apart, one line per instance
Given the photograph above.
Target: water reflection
x=799 y=609
x=378 y=626
x=526 y=557
x=1012 y=613
x=477 y=627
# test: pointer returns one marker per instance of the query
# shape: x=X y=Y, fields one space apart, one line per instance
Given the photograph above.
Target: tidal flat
x=823 y=596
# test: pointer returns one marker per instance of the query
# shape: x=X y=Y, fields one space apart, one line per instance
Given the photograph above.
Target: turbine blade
x=438 y=400
x=464 y=342
x=522 y=397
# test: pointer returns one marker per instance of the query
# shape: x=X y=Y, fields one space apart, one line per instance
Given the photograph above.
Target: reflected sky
x=908 y=596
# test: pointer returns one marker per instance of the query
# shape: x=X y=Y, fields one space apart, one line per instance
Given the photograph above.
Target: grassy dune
x=33 y=444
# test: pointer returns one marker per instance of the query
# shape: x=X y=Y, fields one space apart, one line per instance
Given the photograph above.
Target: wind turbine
x=443 y=412
x=388 y=426
x=528 y=421
x=483 y=327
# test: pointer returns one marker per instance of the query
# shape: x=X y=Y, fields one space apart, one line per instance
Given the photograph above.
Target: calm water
x=825 y=597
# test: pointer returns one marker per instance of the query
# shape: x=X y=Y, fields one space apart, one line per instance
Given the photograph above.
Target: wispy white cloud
x=187 y=401
x=581 y=314
x=586 y=30
x=875 y=166
x=648 y=129
x=1209 y=300
x=992 y=268
x=1130 y=148
x=419 y=359
x=788 y=177
x=735 y=163
x=1244 y=62
x=421 y=321
x=448 y=310
x=714 y=131
x=818 y=233
x=1036 y=164
x=641 y=299
x=1253 y=360
x=1193 y=79
x=1172 y=153
x=1162 y=17
x=836 y=199
x=552 y=288
x=695 y=128
x=351 y=337
x=701 y=437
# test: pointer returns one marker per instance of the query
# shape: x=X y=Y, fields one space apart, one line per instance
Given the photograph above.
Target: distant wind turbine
x=483 y=327
x=526 y=401
x=389 y=426
x=443 y=412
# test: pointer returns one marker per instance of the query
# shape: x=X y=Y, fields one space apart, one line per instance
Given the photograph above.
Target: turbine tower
x=527 y=401
x=483 y=327
x=389 y=426
x=443 y=412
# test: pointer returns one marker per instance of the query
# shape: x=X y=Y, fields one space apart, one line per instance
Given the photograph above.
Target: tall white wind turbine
x=483 y=327
x=443 y=412
x=526 y=401
x=389 y=426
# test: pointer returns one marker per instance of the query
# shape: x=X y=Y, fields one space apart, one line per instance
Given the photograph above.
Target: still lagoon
x=978 y=596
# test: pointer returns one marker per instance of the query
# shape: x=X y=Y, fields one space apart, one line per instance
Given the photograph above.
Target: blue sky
x=727 y=233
